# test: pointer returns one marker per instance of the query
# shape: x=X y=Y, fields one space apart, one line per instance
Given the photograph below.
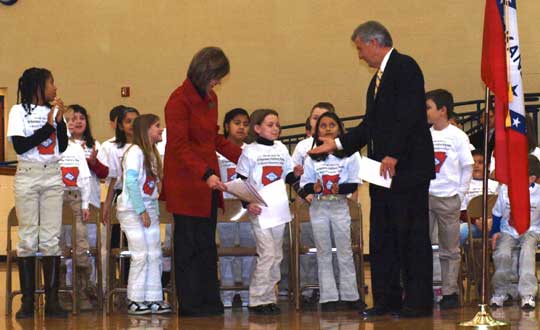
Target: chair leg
x=9 y=295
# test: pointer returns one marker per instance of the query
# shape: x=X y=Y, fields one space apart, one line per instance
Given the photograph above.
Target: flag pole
x=483 y=319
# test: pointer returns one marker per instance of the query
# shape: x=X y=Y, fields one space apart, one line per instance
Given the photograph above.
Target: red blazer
x=192 y=142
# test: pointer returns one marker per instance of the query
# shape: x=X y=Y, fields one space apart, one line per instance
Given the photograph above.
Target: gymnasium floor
x=241 y=319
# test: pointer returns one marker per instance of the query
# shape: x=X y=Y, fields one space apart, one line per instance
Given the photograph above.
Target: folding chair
x=301 y=214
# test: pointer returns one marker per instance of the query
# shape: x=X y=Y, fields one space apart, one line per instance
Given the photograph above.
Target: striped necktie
x=377 y=81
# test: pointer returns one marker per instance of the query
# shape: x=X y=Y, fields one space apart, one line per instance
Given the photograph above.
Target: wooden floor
x=241 y=319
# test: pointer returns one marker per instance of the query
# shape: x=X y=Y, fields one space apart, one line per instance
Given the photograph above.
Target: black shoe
x=27 y=269
x=267 y=309
x=329 y=306
x=356 y=305
x=375 y=311
x=51 y=274
x=449 y=301
x=274 y=308
x=413 y=313
x=237 y=301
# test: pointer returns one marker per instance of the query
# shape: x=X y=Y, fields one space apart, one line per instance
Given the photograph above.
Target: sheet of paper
x=369 y=171
x=277 y=212
x=244 y=191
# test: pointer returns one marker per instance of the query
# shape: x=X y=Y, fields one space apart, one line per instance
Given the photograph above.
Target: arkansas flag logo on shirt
x=271 y=174
x=70 y=176
x=328 y=181
x=231 y=174
x=440 y=157
x=149 y=185
x=47 y=147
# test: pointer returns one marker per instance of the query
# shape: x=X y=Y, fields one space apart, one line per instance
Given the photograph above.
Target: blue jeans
x=464 y=232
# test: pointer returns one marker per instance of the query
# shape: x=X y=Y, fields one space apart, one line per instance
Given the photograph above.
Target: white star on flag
x=516 y=122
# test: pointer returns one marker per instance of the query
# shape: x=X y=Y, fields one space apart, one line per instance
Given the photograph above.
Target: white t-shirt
x=161 y=145
x=227 y=171
x=502 y=209
x=331 y=170
x=452 y=153
x=301 y=150
x=95 y=186
x=134 y=160
x=475 y=189
x=115 y=156
x=21 y=124
x=75 y=172
x=262 y=164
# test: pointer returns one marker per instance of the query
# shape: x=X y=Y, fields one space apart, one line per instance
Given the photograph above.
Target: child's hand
x=494 y=239
x=317 y=187
x=254 y=209
x=105 y=214
x=309 y=198
x=145 y=219
x=85 y=215
x=335 y=188
x=93 y=157
x=298 y=170
x=58 y=103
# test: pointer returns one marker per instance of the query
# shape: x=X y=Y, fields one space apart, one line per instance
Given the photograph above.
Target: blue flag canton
x=517 y=122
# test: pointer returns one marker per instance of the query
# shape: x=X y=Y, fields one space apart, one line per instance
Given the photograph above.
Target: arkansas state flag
x=501 y=72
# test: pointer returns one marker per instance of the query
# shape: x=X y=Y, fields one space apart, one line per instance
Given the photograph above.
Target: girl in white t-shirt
x=39 y=135
x=331 y=177
x=234 y=269
x=138 y=214
x=262 y=162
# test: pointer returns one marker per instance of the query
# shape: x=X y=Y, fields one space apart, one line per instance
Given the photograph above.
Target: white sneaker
x=137 y=308
x=498 y=300
x=527 y=302
x=159 y=307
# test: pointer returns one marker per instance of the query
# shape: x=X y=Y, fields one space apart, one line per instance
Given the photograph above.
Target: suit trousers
x=400 y=248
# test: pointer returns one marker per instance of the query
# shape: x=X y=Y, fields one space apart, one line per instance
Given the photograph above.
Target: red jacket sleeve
x=228 y=149
x=101 y=170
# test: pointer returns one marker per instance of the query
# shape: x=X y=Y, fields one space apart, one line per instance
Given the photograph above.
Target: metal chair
x=301 y=214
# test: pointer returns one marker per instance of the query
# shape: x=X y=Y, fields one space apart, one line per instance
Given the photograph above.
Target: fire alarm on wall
x=124 y=91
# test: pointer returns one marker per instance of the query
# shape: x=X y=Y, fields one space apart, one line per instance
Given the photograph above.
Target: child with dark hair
x=39 y=135
x=505 y=239
x=330 y=178
x=453 y=171
x=234 y=269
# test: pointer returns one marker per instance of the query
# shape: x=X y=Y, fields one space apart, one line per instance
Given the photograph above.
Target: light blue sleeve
x=133 y=190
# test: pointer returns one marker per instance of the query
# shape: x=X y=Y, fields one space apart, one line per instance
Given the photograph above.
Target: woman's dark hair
x=87 y=134
x=209 y=63
x=229 y=116
x=120 y=135
x=31 y=87
x=532 y=138
x=337 y=153
x=256 y=118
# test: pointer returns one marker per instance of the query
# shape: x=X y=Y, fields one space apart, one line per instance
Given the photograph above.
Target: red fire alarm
x=124 y=91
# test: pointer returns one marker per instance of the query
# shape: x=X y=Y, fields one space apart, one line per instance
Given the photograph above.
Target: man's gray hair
x=373 y=30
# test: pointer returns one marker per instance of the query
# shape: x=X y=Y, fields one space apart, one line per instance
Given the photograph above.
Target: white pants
x=144 y=282
x=326 y=217
x=267 y=273
x=38 y=200
x=505 y=272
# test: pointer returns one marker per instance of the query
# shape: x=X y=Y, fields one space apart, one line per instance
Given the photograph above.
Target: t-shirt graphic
x=149 y=185
x=47 y=147
x=231 y=174
x=70 y=176
x=440 y=157
x=328 y=181
x=271 y=174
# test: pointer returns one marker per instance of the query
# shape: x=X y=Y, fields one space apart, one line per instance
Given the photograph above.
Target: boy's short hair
x=442 y=98
x=534 y=166
x=477 y=152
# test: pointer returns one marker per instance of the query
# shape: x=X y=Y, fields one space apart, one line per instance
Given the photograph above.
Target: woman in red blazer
x=191 y=183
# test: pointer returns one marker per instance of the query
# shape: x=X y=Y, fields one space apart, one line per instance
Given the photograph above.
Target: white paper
x=277 y=212
x=370 y=172
x=244 y=191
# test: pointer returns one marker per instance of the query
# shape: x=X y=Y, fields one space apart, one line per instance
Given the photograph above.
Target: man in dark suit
x=396 y=131
x=477 y=138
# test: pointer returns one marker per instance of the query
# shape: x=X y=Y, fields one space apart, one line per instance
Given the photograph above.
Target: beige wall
x=284 y=54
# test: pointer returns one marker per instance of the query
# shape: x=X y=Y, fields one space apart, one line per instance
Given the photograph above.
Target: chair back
x=474 y=209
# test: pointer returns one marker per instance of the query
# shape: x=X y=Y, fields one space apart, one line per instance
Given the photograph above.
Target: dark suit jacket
x=396 y=124
x=477 y=140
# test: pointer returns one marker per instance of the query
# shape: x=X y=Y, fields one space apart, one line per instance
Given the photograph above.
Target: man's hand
x=214 y=182
x=254 y=209
x=388 y=167
x=328 y=146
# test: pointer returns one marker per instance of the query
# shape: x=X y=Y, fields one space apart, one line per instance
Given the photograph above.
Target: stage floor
x=241 y=319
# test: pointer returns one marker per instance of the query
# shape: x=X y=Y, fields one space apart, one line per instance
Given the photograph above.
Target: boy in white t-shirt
x=505 y=239
x=453 y=168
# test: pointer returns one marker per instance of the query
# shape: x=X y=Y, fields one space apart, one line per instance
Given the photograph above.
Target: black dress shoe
x=375 y=311
x=329 y=306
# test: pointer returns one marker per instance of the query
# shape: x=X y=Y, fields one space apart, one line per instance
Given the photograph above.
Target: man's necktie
x=377 y=81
